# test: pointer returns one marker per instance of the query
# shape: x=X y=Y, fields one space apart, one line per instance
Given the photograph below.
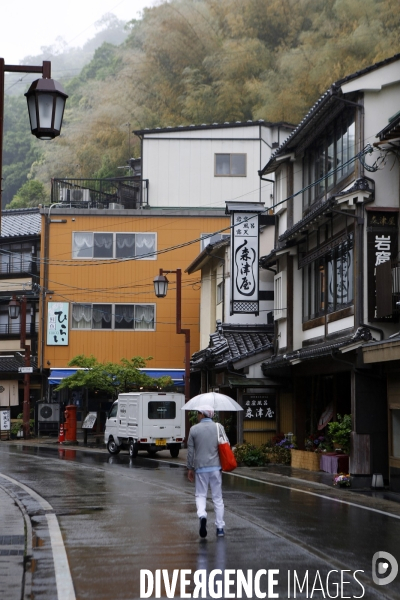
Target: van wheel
x=112 y=447
x=133 y=449
x=174 y=451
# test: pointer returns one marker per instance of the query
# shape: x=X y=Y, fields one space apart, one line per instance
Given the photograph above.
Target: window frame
x=114 y=245
x=315 y=297
x=113 y=312
x=230 y=174
x=317 y=163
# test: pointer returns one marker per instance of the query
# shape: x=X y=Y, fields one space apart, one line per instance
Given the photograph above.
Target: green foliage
x=278 y=454
x=340 y=430
x=111 y=378
x=250 y=456
x=207 y=61
x=30 y=194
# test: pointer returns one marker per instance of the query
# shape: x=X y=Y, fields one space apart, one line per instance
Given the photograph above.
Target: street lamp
x=46 y=102
x=15 y=309
x=160 y=289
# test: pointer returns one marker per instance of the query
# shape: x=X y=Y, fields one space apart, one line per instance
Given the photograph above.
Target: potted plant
x=339 y=432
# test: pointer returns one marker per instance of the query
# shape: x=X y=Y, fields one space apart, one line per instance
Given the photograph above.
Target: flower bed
x=301 y=459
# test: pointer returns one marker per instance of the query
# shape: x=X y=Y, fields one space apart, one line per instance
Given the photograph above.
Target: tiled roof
x=362 y=336
x=19 y=222
x=11 y=363
x=233 y=343
x=324 y=101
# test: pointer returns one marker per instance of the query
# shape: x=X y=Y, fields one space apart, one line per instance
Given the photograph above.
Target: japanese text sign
x=244 y=262
x=259 y=406
x=57 y=323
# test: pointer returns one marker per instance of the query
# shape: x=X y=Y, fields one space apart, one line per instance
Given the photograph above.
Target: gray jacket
x=202 y=446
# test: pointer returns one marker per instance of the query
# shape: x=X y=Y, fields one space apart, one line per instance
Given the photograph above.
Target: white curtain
x=81 y=316
x=102 y=316
x=103 y=240
x=144 y=316
x=124 y=315
x=82 y=244
x=145 y=243
x=125 y=245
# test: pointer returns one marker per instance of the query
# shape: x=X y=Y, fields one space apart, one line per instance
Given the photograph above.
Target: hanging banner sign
x=244 y=257
x=57 y=323
x=382 y=236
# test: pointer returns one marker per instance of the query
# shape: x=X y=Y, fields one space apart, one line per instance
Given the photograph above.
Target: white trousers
x=214 y=480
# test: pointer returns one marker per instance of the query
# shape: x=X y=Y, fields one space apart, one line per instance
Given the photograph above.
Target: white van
x=146 y=421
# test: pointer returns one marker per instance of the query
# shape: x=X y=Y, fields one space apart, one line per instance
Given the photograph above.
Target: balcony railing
x=18 y=266
x=118 y=193
x=14 y=329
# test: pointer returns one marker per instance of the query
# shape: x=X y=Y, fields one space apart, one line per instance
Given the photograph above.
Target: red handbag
x=226 y=456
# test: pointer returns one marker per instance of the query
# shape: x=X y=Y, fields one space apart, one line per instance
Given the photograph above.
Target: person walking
x=204 y=468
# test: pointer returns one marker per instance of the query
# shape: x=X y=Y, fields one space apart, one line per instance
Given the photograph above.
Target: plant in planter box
x=339 y=432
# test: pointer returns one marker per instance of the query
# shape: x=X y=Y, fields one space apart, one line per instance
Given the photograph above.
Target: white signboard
x=5 y=421
x=89 y=421
x=57 y=323
x=244 y=262
x=25 y=369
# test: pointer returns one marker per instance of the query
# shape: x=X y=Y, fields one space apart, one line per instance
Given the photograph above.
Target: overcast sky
x=27 y=25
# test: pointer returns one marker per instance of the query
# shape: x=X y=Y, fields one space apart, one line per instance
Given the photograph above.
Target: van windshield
x=113 y=411
x=162 y=409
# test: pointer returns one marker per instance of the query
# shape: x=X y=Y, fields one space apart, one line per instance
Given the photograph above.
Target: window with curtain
x=113 y=316
x=101 y=245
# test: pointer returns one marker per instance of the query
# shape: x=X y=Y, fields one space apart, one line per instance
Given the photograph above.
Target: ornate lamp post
x=160 y=289
x=15 y=309
x=46 y=102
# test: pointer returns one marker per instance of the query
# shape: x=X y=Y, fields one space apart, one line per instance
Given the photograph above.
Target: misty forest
x=188 y=62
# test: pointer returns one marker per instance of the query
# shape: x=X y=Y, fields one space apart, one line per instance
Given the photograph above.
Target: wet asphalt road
x=119 y=516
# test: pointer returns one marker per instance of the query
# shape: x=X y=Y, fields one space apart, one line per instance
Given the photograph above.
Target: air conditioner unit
x=74 y=195
x=49 y=413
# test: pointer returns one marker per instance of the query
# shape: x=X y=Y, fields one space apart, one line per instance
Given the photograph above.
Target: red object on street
x=70 y=423
x=61 y=435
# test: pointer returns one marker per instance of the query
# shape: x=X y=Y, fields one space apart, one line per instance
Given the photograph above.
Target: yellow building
x=97 y=280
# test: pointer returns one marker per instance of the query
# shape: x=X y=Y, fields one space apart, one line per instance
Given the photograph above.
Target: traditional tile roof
x=361 y=337
x=232 y=343
x=20 y=222
x=11 y=363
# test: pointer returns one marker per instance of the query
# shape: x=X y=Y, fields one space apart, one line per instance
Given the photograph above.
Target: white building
x=203 y=166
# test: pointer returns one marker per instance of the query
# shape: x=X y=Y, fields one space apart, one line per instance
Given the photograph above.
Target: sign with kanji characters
x=5 y=421
x=57 y=323
x=259 y=406
x=244 y=262
x=382 y=235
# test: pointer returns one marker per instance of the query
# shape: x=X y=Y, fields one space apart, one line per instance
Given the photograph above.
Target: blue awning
x=177 y=375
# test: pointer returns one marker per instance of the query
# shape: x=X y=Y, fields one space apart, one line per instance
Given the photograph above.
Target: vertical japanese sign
x=382 y=234
x=57 y=323
x=244 y=262
x=5 y=421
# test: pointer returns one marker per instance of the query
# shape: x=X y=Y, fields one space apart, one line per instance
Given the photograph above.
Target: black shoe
x=203 y=527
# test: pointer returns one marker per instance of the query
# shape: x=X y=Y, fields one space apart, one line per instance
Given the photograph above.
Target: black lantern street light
x=46 y=102
x=15 y=309
x=160 y=289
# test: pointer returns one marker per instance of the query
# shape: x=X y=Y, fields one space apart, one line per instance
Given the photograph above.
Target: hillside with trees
x=207 y=61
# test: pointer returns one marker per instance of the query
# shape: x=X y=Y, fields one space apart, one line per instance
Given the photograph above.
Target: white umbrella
x=213 y=399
